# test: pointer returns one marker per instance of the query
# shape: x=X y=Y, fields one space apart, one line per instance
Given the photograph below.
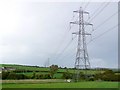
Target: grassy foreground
x=63 y=85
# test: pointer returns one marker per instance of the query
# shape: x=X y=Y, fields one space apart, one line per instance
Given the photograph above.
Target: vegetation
x=64 y=85
x=54 y=72
x=25 y=69
x=108 y=75
x=54 y=77
x=12 y=75
x=67 y=75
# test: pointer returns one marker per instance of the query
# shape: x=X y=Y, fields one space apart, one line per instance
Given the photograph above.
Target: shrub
x=47 y=76
x=39 y=76
x=108 y=75
x=53 y=70
x=67 y=75
x=33 y=76
x=5 y=75
x=12 y=76
x=42 y=76
x=91 y=79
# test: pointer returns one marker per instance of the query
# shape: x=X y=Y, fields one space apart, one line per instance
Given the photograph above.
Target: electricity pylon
x=82 y=58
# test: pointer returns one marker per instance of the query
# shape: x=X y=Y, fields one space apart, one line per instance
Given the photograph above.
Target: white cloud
x=97 y=62
x=31 y=32
x=14 y=50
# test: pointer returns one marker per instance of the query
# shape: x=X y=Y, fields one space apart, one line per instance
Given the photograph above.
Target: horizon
x=54 y=64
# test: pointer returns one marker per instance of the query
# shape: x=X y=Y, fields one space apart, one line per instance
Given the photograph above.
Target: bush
x=5 y=75
x=39 y=76
x=91 y=79
x=12 y=75
x=108 y=75
x=82 y=76
x=47 y=76
x=19 y=71
x=53 y=70
x=67 y=75
x=16 y=76
x=33 y=76
x=0 y=76
x=42 y=76
x=115 y=78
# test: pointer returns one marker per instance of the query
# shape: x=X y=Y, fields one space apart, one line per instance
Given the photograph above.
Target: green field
x=56 y=82
x=25 y=67
x=29 y=70
x=46 y=70
x=64 y=85
x=43 y=69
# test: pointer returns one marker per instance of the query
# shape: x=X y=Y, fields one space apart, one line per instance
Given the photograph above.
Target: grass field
x=43 y=69
x=57 y=75
x=64 y=85
x=53 y=83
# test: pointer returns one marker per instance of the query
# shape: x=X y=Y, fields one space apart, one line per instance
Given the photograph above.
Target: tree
x=33 y=76
x=39 y=76
x=47 y=76
x=67 y=75
x=5 y=75
x=53 y=70
x=82 y=76
x=108 y=75
x=11 y=76
x=107 y=72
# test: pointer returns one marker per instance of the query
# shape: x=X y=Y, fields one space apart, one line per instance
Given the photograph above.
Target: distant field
x=64 y=85
x=43 y=69
x=25 y=67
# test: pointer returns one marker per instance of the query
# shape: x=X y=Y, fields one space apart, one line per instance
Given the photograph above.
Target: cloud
x=30 y=33
x=97 y=62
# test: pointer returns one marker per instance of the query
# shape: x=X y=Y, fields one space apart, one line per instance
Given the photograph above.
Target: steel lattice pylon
x=82 y=58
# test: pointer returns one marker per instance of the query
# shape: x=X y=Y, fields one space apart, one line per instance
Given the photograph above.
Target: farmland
x=56 y=82
x=62 y=85
x=29 y=70
x=46 y=69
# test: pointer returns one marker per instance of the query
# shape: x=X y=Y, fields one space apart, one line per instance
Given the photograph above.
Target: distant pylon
x=82 y=58
x=47 y=62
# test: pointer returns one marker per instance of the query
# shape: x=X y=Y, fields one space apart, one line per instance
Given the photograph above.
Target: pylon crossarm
x=75 y=22
x=78 y=11
x=87 y=23
x=77 y=33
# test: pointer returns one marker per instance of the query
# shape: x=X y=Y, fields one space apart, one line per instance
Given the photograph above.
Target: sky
x=33 y=31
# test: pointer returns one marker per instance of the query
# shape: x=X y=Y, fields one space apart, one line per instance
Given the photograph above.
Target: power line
x=112 y=28
x=95 y=15
x=87 y=5
x=98 y=37
x=99 y=12
x=105 y=20
x=70 y=28
x=65 y=48
x=97 y=9
x=63 y=39
x=82 y=4
x=61 y=43
x=68 y=53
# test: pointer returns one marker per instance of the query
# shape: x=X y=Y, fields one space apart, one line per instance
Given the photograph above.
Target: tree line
x=108 y=75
